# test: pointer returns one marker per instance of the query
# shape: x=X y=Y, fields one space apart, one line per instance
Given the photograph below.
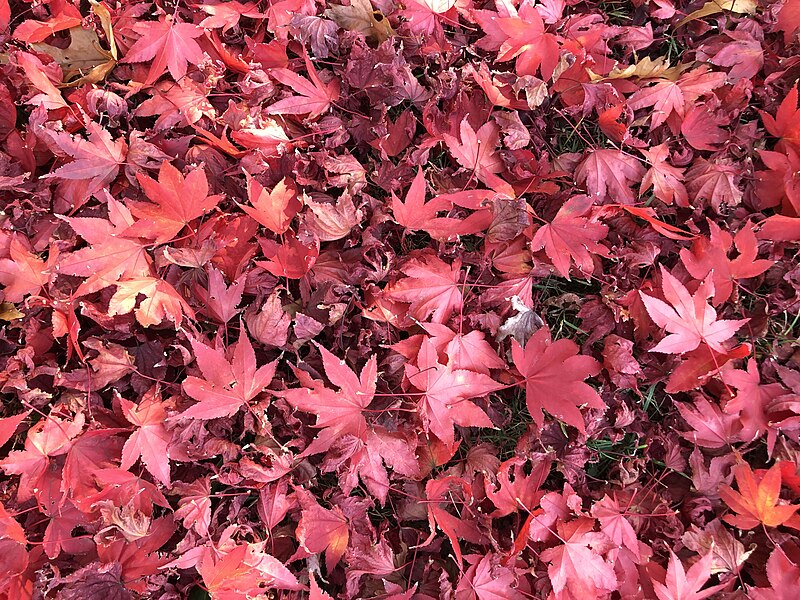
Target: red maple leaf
x=572 y=237
x=689 y=319
x=24 y=273
x=97 y=159
x=322 y=530
x=168 y=45
x=666 y=180
x=488 y=579
x=783 y=576
x=315 y=96
x=447 y=391
x=554 y=375
x=683 y=585
x=415 y=213
x=758 y=499
x=176 y=201
x=786 y=122
x=276 y=209
x=710 y=256
x=518 y=488
x=151 y=439
x=477 y=152
x=521 y=36
x=111 y=255
x=338 y=413
x=160 y=301
x=431 y=287
x=752 y=402
x=607 y=173
x=228 y=385
x=577 y=565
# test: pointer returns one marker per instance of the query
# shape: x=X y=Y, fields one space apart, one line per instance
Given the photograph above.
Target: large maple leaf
x=786 y=122
x=577 y=566
x=168 y=45
x=572 y=237
x=689 y=319
x=758 y=499
x=338 y=413
x=447 y=391
x=554 y=375
x=683 y=585
x=150 y=440
x=228 y=385
x=177 y=200
x=783 y=576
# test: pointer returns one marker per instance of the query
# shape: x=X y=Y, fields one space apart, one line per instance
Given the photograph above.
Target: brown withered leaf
x=361 y=16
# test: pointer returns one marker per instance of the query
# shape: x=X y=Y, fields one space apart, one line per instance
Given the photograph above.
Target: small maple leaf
x=177 y=200
x=446 y=394
x=477 y=152
x=488 y=579
x=111 y=255
x=228 y=385
x=786 y=122
x=758 y=499
x=683 y=585
x=710 y=256
x=554 y=375
x=276 y=209
x=169 y=44
x=572 y=237
x=666 y=180
x=577 y=565
x=689 y=319
x=322 y=530
x=338 y=413
x=518 y=487
x=151 y=439
x=97 y=159
x=24 y=273
x=432 y=288
x=415 y=213
x=161 y=301
x=194 y=505
x=315 y=96
x=610 y=173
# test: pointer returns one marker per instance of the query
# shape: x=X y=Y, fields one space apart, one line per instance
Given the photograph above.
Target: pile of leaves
x=408 y=299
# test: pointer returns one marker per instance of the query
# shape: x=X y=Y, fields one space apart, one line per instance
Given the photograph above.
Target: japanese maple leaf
x=431 y=287
x=176 y=201
x=758 y=499
x=315 y=96
x=415 y=213
x=243 y=571
x=572 y=237
x=441 y=494
x=607 y=173
x=521 y=36
x=468 y=351
x=97 y=159
x=276 y=209
x=111 y=255
x=780 y=229
x=445 y=402
x=516 y=486
x=614 y=523
x=683 y=585
x=783 y=576
x=751 y=402
x=338 y=413
x=476 y=151
x=194 y=505
x=160 y=301
x=711 y=427
x=710 y=256
x=322 y=530
x=227 y=385
x=293 y=258
x=786 y=123
x=150 y=440
x=788 y=20
x=169 y=44
x=488 y=579
x=667 y=97
x=24 y=273
x=690 y=320
x=554 y=375
x=577 y=565
x=50 y=437
x=666 y=180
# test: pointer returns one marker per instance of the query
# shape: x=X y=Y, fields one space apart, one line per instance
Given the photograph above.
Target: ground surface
x=425 y=299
